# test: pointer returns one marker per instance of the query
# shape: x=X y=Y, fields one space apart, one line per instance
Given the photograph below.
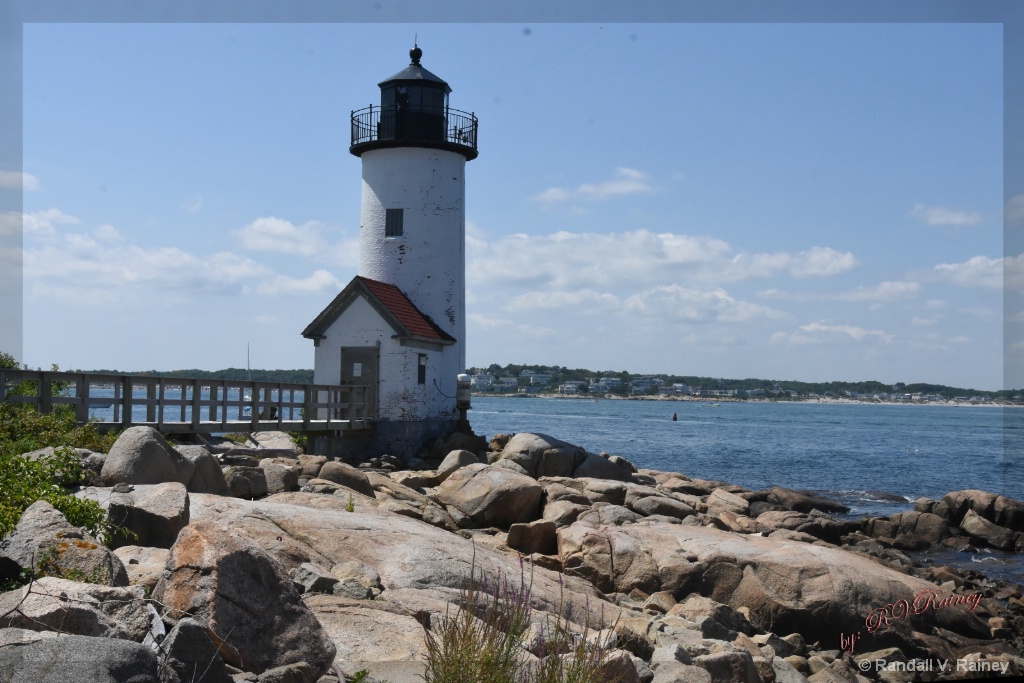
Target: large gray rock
x=418 y=566
x=734 y=666
x=79 y=659
x=613 y=515
x=246 y=599
x=909 y=529
x=543 y=456
x=982 y=529
x=207 y=476
x=152 y=516
x=616 y=667
x=722 y=499
x=787 y=586
x=46 y=543
x=311 y=465
x=600 y=468
x=141 y=455
x=245 y=482
x=486 y=495
x=348 y=476
x=369 y=631
x=803 y=501
x=454 y=461
x=661 y=505
x=280 y=478
x=83 y=609
x=190 y=657
x=819 y=526
x=563 y=512
x=144 y=566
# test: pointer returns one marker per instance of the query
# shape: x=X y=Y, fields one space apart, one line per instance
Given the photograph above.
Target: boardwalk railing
x=194 y=406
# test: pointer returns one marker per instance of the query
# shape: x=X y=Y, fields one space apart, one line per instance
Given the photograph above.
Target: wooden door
x=359 y=370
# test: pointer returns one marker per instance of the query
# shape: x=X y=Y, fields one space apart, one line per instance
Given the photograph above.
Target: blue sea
x=875 y=458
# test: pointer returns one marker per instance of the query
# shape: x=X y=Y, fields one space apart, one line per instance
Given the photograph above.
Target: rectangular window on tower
x=421 y=371
x=393 y=220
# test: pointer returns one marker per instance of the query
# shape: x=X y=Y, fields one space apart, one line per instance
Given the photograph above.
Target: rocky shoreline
x=260 y=563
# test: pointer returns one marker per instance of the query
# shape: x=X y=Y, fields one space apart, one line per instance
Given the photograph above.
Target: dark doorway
x=359 y=371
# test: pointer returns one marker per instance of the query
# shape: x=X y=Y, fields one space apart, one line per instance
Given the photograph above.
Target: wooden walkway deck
x=192 y=406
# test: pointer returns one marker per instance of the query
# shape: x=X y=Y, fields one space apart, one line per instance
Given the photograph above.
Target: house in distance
x=399 y=327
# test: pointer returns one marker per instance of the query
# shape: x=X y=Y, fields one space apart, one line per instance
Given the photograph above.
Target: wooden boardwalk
x=192 y=406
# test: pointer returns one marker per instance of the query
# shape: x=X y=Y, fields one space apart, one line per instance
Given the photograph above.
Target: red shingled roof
x=418 y=324
x=390 y=302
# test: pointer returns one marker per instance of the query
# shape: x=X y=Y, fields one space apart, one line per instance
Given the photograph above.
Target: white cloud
x=43 y=224
x=627 y=181
x=319 y=281
x=883 y=292
x=486 y=322
x=855 y=333
x=108 y=234
x=282 y=237
x=944 y=216
x=586 y=300
x=674 y=302
x=821 y=262
x=978 y=271
x=822 y=332
x=569 y=260
x=278 y=236
x=17 y=180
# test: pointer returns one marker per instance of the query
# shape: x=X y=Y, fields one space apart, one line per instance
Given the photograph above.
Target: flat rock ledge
x=259 y=563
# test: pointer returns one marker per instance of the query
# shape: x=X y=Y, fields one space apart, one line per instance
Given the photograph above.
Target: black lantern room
x=414 y=112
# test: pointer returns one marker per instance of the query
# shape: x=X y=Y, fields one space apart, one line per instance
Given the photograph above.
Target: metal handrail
x=414 y=124
x=182 y=405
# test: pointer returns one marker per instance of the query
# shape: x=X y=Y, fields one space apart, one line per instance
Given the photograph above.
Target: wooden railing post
x=128 y=387
x=197 y=393
x=82 y=394
x=45 y=393
x=150 y=401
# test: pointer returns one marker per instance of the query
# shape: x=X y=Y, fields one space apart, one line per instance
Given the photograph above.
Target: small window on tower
x=421 y=371
x=393 y=223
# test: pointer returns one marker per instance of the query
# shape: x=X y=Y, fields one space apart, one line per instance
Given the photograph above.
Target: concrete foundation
x=401 y=439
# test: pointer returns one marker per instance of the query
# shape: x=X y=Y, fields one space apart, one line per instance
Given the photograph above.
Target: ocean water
x=875 y=458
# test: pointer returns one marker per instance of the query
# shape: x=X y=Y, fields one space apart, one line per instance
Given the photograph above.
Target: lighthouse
x=398 y=329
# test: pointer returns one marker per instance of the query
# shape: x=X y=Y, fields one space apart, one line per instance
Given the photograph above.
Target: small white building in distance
x=399 y=327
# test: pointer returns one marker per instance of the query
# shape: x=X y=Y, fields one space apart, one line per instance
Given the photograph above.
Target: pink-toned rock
x=486 y=495
x=252 y=611
x=787 y=586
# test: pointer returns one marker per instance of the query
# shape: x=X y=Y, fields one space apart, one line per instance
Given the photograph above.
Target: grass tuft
x=484 y=640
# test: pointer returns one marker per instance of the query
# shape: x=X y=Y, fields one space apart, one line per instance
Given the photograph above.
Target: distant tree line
x=560 y=375
x=284 y=376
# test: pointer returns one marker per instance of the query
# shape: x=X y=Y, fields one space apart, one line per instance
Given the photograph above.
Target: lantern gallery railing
x=194 y=406
x=440 y=126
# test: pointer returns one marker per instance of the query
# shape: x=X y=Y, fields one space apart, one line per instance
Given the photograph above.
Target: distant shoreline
x=720 y=400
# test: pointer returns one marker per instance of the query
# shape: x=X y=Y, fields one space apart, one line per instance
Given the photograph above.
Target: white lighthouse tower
x=399 y=327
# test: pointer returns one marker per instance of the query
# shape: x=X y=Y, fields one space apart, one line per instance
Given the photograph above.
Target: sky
x=787 y=201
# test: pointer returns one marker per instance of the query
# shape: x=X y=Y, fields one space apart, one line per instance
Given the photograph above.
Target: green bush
x=23 y=481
